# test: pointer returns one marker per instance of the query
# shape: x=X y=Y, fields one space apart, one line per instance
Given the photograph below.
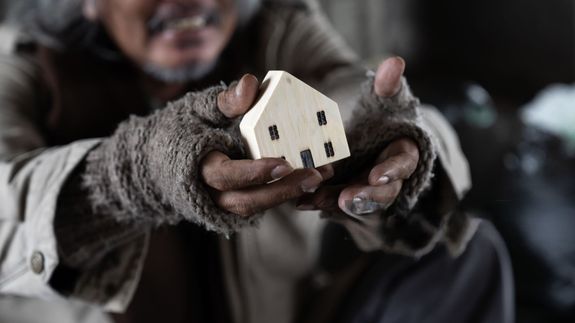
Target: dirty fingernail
x=358 y=204
x=310 y=184
x=361 y=205
x=383 y=180
x=281 y=171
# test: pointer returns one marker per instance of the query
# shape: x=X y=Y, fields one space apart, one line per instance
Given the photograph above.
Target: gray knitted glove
x=145 y=174
x=376 y=122
x=149 y=169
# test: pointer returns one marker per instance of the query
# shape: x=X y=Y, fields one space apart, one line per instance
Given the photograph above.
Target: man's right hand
x=243 y=187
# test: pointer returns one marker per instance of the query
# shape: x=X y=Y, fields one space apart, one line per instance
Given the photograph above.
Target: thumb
x=239 y=97
x=388 y=77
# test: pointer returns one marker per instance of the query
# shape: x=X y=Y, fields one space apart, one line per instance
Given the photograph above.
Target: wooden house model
x=294 y=121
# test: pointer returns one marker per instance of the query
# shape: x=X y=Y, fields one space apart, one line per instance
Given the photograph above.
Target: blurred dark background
x=482 y=63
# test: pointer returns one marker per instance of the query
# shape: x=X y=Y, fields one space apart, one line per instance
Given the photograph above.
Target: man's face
x=169 y=36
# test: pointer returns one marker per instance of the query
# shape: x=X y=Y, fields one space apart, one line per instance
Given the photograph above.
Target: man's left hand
x=375 y=189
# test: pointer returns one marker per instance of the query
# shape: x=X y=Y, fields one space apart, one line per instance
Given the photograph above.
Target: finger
x=325 y=198
x=239 y=97
x=398 y=161
x=256 y=199
x=361 y=199
x=395 y=168
x=326 y=171
x=398 y=146
x=388 y=77
x=319 y=199
x=220 y=172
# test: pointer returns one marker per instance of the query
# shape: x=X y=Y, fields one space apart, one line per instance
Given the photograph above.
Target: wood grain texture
x=290 y=107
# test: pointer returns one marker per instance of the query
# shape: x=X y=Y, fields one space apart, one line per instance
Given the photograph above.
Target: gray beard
x=194 y=72
x=191 y=72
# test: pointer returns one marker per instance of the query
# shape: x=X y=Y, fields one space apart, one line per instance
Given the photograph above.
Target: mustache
x=170 y=12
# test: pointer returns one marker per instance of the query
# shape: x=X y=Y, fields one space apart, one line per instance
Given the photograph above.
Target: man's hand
x=245 y=187
x=375 y=189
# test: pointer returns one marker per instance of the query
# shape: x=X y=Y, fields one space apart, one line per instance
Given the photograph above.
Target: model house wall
x=294 y=121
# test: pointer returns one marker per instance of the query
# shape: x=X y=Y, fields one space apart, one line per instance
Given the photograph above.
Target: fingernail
x=388 y=77
x=239 y=88
x=400 y=60
x=383 y=180
x=281 y=171
x=305 y=207
x=361 y=205
x=358 y=204
x=310 y=184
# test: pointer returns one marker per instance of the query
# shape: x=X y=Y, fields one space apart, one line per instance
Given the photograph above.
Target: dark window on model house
x=274 y=134
x=328 y=149
x=321 y=118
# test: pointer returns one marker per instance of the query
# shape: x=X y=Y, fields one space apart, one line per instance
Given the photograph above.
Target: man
x=163 y=219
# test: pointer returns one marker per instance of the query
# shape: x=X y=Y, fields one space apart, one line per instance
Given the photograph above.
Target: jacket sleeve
x=31 y=179
x=408 y=228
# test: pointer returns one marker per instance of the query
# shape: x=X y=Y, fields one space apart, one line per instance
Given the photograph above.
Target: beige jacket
x=261 y=265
